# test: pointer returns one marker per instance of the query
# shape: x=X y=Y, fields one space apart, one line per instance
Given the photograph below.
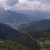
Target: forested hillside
x=10 y=45
x=8 y=33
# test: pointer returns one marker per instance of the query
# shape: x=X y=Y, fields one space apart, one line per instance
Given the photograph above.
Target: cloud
x=11 y=2
x=25 y=5
x=22 y=1
x=34 y=5
x=2 y=3
x=45 y=1
x=31 y=0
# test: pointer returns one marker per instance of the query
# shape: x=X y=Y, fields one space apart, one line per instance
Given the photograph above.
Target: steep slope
x=7 y=32
x=37 y=25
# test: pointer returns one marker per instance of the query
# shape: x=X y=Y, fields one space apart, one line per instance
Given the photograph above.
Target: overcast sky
x=25 y=4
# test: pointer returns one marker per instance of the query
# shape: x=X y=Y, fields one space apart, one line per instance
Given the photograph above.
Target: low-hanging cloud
x=11 y=2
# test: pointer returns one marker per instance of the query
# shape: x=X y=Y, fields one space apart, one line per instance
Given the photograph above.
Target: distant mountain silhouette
x=8 y=16
x=37 y=14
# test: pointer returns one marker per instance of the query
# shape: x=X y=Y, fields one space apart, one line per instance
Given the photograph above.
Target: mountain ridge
x=37 y=25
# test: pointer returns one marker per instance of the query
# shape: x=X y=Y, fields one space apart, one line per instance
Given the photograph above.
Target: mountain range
x=8 y=16
x=37 y=14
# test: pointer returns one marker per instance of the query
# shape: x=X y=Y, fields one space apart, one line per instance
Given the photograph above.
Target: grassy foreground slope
x=10 y=45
